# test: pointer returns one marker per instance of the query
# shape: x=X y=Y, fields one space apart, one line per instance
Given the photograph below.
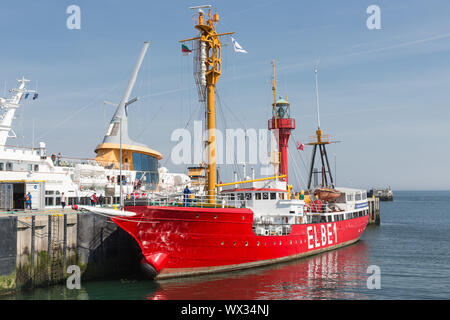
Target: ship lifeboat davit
x=327 y=194
x=152 y=264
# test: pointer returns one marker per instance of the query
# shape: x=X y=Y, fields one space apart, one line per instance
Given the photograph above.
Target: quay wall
x=36 y=249
x=374 y=210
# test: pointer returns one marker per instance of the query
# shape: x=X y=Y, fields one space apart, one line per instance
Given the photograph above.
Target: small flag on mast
x=26 y=95
x=237 y=46
x=185 y=50
x=300 y=146
x=35 y=96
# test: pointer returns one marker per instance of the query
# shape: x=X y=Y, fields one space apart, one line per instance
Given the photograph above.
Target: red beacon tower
x=282 y=123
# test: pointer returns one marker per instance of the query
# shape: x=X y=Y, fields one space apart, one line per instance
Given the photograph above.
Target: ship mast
x=209 y=71
x=320 y=140
x=8 y=107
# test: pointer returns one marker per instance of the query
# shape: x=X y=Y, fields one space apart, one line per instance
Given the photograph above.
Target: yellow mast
x=210 y=40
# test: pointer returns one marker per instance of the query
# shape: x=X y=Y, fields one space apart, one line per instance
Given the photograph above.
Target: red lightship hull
x=186 y=241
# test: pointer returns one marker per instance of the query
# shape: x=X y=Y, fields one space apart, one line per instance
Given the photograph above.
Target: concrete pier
x=37 y=248
x=374 y=210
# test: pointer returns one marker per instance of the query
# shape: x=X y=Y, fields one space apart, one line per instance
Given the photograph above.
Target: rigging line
x=235 y=164
x=297 y=174
x=299 y=153
x=187 y=124
x=146 y=126
x=78 y=111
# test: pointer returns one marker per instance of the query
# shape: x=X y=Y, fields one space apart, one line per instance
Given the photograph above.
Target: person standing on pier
x=101 y=199
x=28 y=201
x=94 y=199
x=63 y=200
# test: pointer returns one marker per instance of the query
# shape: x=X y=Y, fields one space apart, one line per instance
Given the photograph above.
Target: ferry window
x=273 y=196
x=265 y=195
x=281 y=195
x=258 y=196
x=8 y=166
x=336 y=218
x=36 y=167
x=248 y=196
x=240 y=196
x=364 y=196
x=358 y=196
x=232 y=196
x=342 y=216
x=1 y=166
x=350 y=197
x=329 y=219
x=48 y=201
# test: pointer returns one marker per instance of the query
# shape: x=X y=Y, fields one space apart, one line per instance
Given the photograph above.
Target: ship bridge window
x=364 y=195
x=147 y=167
x=240 y=196
x=36 y=167
x=349 y=197
x=248 y=196
x=281 y=195
x=232 y=196
x=258 y=196
x=358 y=196
x=265 y=195
x=273 y=196
x=9 y=166
x=2 y=166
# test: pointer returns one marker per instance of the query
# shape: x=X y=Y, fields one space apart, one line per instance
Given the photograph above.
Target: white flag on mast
x=237 y=46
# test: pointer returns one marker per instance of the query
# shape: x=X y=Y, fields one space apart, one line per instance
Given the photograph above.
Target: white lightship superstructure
x=47 y=177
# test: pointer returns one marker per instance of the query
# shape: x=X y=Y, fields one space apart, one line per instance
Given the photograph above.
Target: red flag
x=300 y=146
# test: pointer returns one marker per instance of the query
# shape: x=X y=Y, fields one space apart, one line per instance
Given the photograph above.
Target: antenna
x=316 y=69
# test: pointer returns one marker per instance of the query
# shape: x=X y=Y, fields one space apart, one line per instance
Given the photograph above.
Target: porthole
x=234 y=243
x=246 y=243
x=221 y=243
x=197 y=216
x=215 y=217
x=280 y=243
x=257 y=243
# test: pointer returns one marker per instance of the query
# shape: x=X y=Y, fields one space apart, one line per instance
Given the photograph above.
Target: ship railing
x=262 y=229
x=182 y=200
x=313 y=208
x=23 y=150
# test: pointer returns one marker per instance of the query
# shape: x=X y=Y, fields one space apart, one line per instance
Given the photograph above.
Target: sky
x=384 y=93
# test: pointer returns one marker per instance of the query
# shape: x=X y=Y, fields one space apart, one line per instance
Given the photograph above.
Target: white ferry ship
x=48 y=175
